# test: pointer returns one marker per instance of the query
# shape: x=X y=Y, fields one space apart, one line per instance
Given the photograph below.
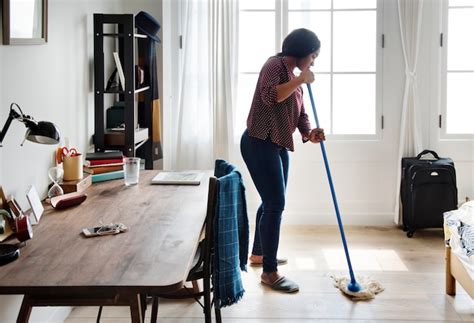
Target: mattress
x=459 y=234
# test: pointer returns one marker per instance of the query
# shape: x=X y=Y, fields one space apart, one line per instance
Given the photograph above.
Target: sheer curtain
x=201 y=123
x=224 y=76
x=410 y=17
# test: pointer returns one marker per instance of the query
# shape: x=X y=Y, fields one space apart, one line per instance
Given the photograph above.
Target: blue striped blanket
x=231 y=236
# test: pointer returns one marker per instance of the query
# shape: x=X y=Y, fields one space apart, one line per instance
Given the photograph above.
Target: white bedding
x=459 y=233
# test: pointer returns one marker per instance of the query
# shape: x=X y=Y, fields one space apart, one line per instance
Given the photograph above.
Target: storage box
x=115 y=115
x=117 y=138
x=79 y=185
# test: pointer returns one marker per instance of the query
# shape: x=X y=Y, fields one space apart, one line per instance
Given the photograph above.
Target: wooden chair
x=202 y=265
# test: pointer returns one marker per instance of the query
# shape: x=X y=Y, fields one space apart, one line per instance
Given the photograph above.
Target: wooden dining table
x=62 y=267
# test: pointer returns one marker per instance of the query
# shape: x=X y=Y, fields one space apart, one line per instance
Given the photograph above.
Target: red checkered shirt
x=267 y=117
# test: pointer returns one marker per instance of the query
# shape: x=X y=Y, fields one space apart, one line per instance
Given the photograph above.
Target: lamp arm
x=5 y=128
x=12 y=115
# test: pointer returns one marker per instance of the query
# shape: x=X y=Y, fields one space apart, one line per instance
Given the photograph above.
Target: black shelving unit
x=127 y=40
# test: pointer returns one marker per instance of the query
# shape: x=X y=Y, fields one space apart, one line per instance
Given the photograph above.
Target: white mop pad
x=369 y=287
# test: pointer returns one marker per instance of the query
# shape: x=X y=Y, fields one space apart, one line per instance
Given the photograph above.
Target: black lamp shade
x=43 y=133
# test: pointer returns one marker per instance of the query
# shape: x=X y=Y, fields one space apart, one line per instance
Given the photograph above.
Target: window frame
x=281 y=28
x=443 y=116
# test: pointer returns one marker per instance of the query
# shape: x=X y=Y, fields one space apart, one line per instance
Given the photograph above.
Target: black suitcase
x=428 y=189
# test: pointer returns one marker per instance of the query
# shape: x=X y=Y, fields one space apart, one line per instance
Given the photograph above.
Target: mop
x=366 y=288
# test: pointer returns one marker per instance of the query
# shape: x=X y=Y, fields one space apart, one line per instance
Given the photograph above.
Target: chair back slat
x=209 y=223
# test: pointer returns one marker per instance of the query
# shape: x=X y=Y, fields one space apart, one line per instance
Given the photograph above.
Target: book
x=105 y=155
x=102 y=169
x=103 y=165
x=119 y=70
x=178 y=178
x=103 y=162
x=107 y=176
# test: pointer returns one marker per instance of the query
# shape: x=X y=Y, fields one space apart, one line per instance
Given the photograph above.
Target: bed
x=459 y=237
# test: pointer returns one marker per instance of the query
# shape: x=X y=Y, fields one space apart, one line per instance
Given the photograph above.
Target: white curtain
x=410 y=17
x=224 y=75
x=201 y=124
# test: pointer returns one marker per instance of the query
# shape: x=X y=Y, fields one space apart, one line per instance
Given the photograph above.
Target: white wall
x=171 y=51
x=51 y=82
x=1 y=111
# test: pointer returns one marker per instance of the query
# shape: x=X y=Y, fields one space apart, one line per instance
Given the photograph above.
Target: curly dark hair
x=300 y=43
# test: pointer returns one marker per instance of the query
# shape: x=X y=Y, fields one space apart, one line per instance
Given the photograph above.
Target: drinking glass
x=131 y=166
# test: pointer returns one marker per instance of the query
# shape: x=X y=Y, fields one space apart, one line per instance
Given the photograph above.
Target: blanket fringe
x=228 y=301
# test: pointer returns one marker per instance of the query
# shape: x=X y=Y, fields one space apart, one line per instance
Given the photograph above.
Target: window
x=459 y=53
x=346 y=70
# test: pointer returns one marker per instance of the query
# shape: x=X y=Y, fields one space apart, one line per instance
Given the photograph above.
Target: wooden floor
x=411 y=270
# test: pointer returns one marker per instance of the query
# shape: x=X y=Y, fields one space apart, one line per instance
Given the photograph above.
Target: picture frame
x=21 y=30
x=36 y=206
x=119 y=70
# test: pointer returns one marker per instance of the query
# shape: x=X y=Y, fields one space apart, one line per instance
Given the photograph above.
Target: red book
x=104 y=161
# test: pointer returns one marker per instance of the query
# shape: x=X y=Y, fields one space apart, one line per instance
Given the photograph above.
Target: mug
x=72 y=167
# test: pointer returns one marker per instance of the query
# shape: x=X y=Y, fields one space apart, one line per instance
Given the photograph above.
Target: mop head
x=369 y=287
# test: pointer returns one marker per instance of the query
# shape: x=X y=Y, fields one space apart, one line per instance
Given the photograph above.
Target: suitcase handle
x=426 y=151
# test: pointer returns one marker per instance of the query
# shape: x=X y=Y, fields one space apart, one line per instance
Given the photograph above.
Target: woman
x=277 y=110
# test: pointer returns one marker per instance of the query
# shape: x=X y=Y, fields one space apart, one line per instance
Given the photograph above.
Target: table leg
x=25 y=310
x=136 y=308
x=154 y=309
x=143 y=304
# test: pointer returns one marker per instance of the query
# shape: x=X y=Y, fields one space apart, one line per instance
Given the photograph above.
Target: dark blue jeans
x=268 y=165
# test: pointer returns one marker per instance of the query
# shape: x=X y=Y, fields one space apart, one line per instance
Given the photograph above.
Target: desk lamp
x=42 y=132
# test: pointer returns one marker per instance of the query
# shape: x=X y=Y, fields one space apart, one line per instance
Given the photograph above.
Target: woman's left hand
x=317 y=135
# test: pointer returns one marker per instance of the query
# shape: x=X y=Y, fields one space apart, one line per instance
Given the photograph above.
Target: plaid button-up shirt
x=267 y=117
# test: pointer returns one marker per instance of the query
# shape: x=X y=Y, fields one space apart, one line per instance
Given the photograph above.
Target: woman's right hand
x=307 y=76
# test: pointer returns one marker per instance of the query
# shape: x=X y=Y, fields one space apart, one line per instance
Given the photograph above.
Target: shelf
x=114 y=92
x=122 y=35
x=123 y=92
x=142 y=89
x=131 y=45
x=112 y=35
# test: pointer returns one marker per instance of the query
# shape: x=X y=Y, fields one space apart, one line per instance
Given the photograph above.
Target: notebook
x=178 y=178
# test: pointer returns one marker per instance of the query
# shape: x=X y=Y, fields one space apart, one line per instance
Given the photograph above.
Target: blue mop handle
x=333 y=192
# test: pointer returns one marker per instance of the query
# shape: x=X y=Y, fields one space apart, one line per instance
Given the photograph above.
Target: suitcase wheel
x=410 y=234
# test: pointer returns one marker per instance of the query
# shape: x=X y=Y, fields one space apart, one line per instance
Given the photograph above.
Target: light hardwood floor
x=411 y=270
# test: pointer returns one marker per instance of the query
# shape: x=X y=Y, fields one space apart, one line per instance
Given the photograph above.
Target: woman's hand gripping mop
x=366 y=288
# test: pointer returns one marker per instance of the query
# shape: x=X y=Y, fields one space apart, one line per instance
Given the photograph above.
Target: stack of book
x=104 y=166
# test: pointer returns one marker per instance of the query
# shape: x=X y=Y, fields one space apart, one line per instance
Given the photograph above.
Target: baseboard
x=352 y=213
x=329 y=218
